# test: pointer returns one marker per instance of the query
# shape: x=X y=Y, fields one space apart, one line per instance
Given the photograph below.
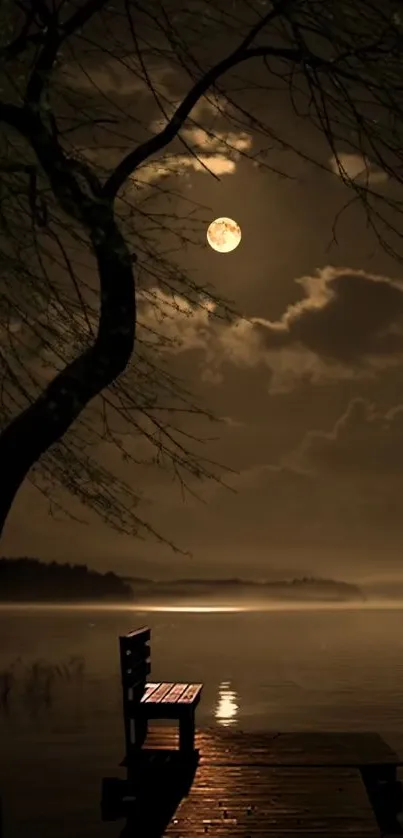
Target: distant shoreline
x=27 y=579
x=305 y=589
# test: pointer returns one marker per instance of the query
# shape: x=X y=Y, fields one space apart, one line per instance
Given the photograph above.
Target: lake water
x=333 y=668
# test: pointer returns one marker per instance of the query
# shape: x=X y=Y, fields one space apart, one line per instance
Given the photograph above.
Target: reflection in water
x=227 y=707
x=194 y=609
x=256 y=606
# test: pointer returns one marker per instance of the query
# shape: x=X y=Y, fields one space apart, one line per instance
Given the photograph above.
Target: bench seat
x=167 y=700
x=180 y=695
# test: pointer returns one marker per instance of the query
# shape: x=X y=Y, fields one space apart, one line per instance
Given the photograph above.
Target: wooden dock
x=278 y=785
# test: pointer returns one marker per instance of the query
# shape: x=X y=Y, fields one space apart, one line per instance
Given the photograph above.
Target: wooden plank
x=157 y=695
x=191 y=693
x=248 y=801
x=174 y=694
x=303 y=748
x=220 y=745
x=271 y=785
x=149 y=688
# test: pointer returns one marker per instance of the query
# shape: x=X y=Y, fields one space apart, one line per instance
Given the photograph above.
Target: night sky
x=306 y=376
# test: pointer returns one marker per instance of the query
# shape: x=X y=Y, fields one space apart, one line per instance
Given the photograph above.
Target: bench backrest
x=134 y=662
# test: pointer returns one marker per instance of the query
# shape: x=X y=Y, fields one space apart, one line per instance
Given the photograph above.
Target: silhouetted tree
x=81 y=240
x=29 y=579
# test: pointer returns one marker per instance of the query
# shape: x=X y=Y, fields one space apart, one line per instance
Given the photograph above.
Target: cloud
x=217 y=153
x=209 y=142
x=231 y=422
x=179 y=326
x=180 y=164
x=347 y=316
x=173 y=322
x=281 y=506
x=349 y=324
x=364 y=444
x=220 y=141
x=339 y=488
x=357 y=167
x=169 y=165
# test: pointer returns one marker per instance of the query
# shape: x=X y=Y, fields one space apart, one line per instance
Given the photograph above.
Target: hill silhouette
x=303 y=588
x=31 y=580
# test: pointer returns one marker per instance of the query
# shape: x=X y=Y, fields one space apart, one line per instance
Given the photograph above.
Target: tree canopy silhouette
x=27 y=579
x=91 y=219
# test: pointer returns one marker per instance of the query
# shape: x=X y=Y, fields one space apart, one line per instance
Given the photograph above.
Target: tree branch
x=81 y=17
x=56 y=165
x=55 y=36
x=48 y=418
x=294 y=55
x=13 y=49
x=279 y=8
x=134 y=159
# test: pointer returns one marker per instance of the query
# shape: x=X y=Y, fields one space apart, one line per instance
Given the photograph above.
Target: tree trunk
x=45 y=421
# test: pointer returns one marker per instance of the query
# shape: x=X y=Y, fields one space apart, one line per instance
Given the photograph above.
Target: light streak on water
x=227 y=707
x=257 y=607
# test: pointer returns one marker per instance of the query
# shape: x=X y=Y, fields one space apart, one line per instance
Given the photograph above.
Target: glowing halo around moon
x=224 y=235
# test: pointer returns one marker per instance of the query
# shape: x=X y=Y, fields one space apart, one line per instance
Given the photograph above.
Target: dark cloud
x=348 y=317
x=357 y=167
x=349 y=324
x=363 y=444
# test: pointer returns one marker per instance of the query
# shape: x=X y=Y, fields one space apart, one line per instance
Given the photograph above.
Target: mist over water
x=228 y=605
x=201 y=605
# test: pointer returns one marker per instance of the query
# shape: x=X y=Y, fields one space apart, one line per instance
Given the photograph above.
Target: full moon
x=224 y=235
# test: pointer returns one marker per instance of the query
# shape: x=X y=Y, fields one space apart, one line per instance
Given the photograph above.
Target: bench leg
x=187 y=732
x=140 y=731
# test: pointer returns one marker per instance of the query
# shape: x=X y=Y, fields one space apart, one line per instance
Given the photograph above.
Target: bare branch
x=134 y=159
x=55 y=35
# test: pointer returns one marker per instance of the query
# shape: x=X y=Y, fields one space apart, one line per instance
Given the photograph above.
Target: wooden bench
x=143 y=701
